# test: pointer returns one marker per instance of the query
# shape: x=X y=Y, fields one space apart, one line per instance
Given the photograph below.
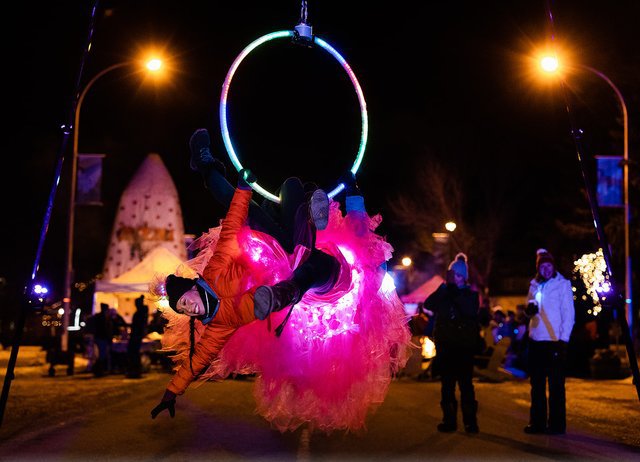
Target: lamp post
x=625 y=170
x=442 y=245
x=550 y=64
x=152 y=65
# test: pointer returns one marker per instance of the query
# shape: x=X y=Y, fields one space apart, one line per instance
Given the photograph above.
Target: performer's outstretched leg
x=304 y=208
x=213 y=172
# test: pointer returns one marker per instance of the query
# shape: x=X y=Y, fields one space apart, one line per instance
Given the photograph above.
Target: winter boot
x=268 y=299
x=449 y=417
x=319 y=209
x=201 y=158
x=469 y=412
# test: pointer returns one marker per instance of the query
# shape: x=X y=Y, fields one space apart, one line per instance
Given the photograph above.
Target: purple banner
x=610 y=181
x=89 y=191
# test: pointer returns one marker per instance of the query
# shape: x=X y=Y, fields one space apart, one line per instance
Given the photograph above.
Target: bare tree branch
x=438 y=195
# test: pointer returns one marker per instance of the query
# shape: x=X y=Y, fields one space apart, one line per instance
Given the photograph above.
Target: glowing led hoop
x=225 y=92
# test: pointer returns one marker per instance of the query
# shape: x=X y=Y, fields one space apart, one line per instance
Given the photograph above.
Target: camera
x=532 y=308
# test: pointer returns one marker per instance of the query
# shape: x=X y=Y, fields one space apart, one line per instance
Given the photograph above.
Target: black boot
x=449 y=417
x=201 y=158
x=268 y=299
x=469 y=412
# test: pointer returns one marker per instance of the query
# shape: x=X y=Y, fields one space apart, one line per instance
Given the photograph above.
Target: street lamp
x=442 y=244
x=551 y=64
x=152 y=65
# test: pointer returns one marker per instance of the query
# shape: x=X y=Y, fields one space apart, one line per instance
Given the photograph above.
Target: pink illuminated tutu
x=335 y=358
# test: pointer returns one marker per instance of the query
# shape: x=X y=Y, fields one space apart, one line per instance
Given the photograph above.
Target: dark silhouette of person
x=455 y=333
x=139 y=324
x=103 y=337
x=157 y=323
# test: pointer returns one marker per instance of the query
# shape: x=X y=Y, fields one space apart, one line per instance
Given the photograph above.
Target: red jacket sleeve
x=220 y=267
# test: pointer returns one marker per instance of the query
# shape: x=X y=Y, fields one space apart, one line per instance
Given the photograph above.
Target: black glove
x=168 y=402
x=245 y=179
x=531 y=309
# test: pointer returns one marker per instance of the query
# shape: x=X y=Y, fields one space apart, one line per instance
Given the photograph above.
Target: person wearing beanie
x=219 y=300
x=551 y=316
x=457 y=338
x=543 y=256
x=458 y=267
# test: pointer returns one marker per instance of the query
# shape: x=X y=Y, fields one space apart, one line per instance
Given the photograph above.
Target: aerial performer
x=346 y=336
x=317 y=317
x=222 y=297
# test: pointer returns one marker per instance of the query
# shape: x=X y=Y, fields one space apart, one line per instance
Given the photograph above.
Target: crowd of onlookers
x=496 y=324
x=106 y=331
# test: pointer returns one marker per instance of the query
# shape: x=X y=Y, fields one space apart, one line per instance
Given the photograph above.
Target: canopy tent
x=419 y=295
x=121 y=292
x=147 y=238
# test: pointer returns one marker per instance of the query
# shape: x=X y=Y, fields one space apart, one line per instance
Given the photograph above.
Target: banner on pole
x=89 y=189
x=610 y=179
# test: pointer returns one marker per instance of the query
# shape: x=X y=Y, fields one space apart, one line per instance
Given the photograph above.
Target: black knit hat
x=176 y=286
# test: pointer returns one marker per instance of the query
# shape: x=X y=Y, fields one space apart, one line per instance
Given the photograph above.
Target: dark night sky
x=443 y=79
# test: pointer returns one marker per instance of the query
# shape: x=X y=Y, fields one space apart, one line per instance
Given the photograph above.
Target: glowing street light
x=406 y=262
x=152 y=65
x=551 y=65
x=450 y=226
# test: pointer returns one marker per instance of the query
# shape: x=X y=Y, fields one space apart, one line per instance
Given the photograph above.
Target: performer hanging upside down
x=344 y=340
x=220 y=298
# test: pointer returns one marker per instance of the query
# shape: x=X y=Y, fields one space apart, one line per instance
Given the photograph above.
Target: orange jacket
x=224 y=274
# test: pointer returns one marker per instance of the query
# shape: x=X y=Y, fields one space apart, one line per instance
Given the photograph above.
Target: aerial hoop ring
x=225 y=93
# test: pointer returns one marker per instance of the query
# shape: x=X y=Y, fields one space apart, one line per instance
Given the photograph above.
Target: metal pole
x=68 y=280
x=9 y=376
x=627 y=253
x=22 y=316
x=593 y=204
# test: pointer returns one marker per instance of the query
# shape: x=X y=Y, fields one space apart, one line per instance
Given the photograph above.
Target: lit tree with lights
x=592 y=289
x=591 y=284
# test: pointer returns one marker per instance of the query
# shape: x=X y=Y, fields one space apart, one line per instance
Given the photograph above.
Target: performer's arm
x=207 y=349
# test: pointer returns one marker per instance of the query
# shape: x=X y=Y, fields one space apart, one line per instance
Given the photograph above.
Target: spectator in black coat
x=139 y=324
x=456 y=333
x=103 y=337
